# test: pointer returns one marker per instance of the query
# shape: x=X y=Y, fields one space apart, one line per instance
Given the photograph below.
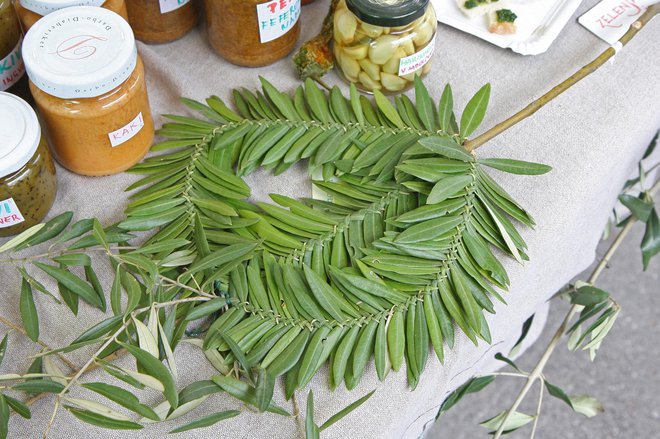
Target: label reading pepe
x=276 y=18
x=10 y=215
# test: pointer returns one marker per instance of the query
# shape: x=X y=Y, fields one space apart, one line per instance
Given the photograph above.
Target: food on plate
x=502 y=21
x=477 y=8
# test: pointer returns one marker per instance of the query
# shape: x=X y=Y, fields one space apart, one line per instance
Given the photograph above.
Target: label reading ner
x=9 y=213
x=276 y=18
x=11 y=67
x=171 y=5
x=127 y=132
x=416 y=61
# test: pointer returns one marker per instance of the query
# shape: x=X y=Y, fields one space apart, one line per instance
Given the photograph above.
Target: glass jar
x=252 y=33
x=27 y=174
x=89 y=86
x=12 y=70
x=161 y=21
x=383 y=45
x=29 y=11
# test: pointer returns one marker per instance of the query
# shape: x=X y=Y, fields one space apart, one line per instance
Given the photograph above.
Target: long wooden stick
x=585 y=71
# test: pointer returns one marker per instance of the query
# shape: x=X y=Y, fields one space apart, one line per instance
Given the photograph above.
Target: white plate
x=539 y=22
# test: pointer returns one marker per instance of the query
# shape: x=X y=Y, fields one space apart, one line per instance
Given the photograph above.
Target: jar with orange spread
x=89 y=86
x=252 y=33
x=161 y=21
x=29 y=11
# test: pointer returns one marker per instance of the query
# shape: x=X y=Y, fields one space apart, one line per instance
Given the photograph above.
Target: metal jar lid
x=388 y=13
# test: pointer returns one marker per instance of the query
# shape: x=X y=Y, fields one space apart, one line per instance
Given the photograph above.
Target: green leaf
x=471 y=386
x=79 y=259
x=651 y=241
x=515 y=421
x=311 y=429
x=103 y=421
x=446 y=109
x=4 y=417
x=586 y=405
x=207 y=421
x=39 y=386
x=52 y=228
x=153 y=367
x=557 y=392
x=386 y=107
x=447 y=187
x=124 y=398
x=20 y=408
x=243 y=392
x=588 y=295
x=516 y=166
x=264 y=390
x=446 y=147
x=345 y=411
x=100 y=329
x=639 y=208
x=3 y=348
x=73 y=283
x=475 y=110
x=29 y=311
x=21 y=238
x=508 y=361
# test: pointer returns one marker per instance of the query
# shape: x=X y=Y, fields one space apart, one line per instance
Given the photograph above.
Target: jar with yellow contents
x=89 y=86
x=30 y=11
x=384 y=44
x=28 y=184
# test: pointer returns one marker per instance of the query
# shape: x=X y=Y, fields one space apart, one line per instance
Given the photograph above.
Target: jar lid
x=79 y=52
x=388 y=13
x=45 y=7
x=20 y=133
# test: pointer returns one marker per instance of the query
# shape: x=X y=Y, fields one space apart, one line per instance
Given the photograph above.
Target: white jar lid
x=79 y=52
x=20 y=133
x=45 y=7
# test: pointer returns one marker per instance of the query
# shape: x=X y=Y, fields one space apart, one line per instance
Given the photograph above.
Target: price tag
x=127 y=132
x=11 y=67
x=417 y=60
x=171 y=5
x=610 y=19
x=276 y=18
x=10 y=215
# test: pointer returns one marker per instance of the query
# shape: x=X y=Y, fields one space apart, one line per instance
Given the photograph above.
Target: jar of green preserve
x=27 y=174
x=12 y=71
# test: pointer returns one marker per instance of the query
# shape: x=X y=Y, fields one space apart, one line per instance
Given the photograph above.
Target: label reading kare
x=10 y=215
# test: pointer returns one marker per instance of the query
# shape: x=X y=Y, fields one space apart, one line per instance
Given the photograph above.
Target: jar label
x=127 y=132
x=416 y=61
x=171 y=5
x=276 y=18
x=9 y=213
x=11 y=67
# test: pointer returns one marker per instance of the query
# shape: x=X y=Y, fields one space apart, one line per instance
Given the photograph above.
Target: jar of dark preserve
x=12 y=71
x=27 y=174
x=161 y=21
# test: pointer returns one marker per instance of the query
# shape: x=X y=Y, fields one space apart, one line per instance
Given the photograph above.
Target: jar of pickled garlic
x=12 y=70
x=161 y=21
x=383 y=44
x=27 y=174
x=29 y=11
x=89 y=86
x=252 y=33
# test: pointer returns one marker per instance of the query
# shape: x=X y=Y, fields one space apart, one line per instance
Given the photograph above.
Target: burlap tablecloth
x=592 y=136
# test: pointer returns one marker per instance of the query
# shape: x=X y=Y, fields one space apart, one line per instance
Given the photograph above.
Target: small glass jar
x=383 y=45
x=29 y=11
x=12 y=69
x=28 y=184
x=89 y=86
x=252 y=33
x=161 y=21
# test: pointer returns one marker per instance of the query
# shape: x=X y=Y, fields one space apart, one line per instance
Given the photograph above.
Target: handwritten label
x=127 y=132
x=11 y=67
x=416 y=61
x=9 y=213
x=610 y=19
x=171 y=5
x=276 y=18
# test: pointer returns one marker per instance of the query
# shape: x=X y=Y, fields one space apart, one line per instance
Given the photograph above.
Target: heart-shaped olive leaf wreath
x=400 y=252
